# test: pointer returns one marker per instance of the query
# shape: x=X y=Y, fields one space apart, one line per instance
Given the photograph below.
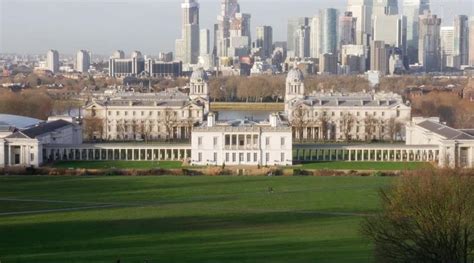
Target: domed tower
x=294 y=85
x=198 y=88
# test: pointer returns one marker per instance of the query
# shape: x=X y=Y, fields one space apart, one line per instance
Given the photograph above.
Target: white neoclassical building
x=456 y=147
x=242 y=142
x=335 y=116
x=170 y=114
x=27 y=147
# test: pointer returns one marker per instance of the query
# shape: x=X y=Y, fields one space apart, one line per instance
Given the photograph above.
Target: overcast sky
x=151 y=26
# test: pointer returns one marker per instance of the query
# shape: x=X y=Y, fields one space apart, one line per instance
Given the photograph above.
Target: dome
x=199 y=74
x=295 y=75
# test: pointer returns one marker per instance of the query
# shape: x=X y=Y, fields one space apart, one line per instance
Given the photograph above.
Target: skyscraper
x=118 y=54
x=461 y=38
x=385 y=7
x=315 y=37
x=447 y=48
x=187 y=48
x=362 y=11
x=264 y=40
x=471 y=41
x=204 y=42
x=412 y=9
x=429 y=50
x=347 y=29
x=83 y=61
x=52 y=61
x=302 y=42
x=329 y=25
x=392 y=29
x=379 y=57
x=294 y=24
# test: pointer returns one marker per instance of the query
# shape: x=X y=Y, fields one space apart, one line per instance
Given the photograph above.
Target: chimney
x=274 y=120
x=211 y=119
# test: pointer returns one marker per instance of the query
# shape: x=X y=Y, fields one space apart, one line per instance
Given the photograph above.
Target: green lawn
x=119 y=164
x=372 y=166
x=187 y=219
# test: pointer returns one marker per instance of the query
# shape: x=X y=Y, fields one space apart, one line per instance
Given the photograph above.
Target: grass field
x=186 y=219
x=371 y=166
x=119 y=165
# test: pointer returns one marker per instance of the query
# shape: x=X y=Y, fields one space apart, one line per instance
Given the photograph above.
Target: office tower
x=392 y=29
x=447 y=48
x=379 y=57
x=396 y=66
x=412 y=9
x=354 y=57
x=118 y=54
x=83 y=61
x=429 y=50
x=328 y=64
x=384 y=7
x=240 y=27
x=347 y=29
x=362 y=11
x=329 y=25
x=165 y=56
x=187 y=48
x=471 y=41
x=229 y=8
x=52 y=61
x=205 y=44
x=461 y=38
x=315 y=37
x=294 y=24
x=302 y=42
x=264 y=40
x=126 y=67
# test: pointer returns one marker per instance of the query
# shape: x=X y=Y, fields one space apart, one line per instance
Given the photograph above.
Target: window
x=248 y=158
x=134 y=113
x=32 y=157
x=227 y=140
x=267 y=141
x=282 y=141
x=117 y=113
x=267 y=157
x=109 y=113
x=383 y=113
x=282 y=157
x=233 y=157
x=241 y=157
x=215 y=157
x=227 y=157
x=215 y=141
x=199 y=157
x=143 y=113
x=255 y=157
x=199 y=141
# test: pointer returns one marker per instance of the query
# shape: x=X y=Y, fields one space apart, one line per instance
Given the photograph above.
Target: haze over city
x=29 y=26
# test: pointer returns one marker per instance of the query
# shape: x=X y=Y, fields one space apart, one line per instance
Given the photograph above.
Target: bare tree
x=347 y=124
x=425 y=217
x=324 y=124
x=299 y=122
x=394 y=128
x=169 y=120
x=370 y=123
x=93 y=128
x=121 y=129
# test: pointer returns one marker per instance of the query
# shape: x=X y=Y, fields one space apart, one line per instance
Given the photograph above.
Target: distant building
x=347 y=29
x=52 y=61
x=294 y=24
x=392 y=29
x=429 y=48
x=242 y=142
x=205 y=42
x=323 y=115
x=315 y=37
x=328 y=64
x=471 y=41
x=354 y=57
x=302 y=42
x=449 y=59
x=362 y=11
x=329 y=21
x=264 y=40
x=461 y=38
x=412 y=9
x=379 y=57
x=83 y=61
x=118 y=54
x=187 y=48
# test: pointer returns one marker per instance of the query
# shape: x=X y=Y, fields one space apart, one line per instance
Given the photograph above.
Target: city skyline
x=144 y=20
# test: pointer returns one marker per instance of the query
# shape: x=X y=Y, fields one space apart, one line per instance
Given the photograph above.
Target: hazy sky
x=151 y=26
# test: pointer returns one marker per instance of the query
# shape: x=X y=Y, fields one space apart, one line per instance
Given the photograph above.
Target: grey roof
x=357 y=99
x=19 y=122
x=295 y=74
x=40 y=129
x=446 y=131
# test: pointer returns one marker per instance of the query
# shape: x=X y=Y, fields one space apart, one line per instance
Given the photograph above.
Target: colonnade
x=367 y=153
x=104 y=153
